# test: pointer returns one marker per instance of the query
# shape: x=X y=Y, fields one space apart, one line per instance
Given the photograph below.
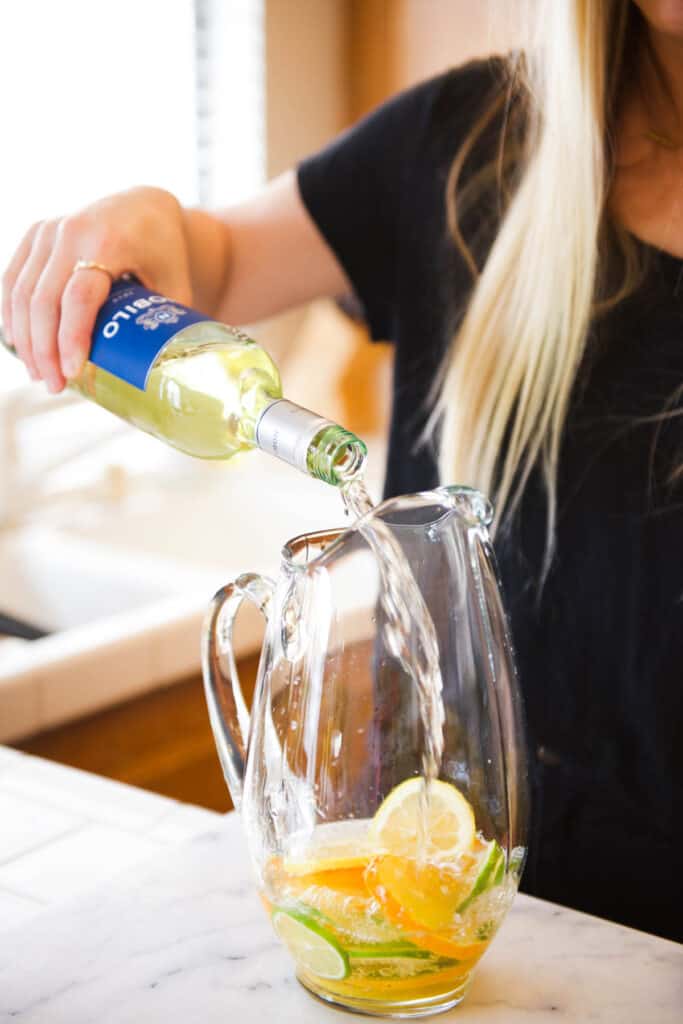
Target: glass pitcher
x=386 y=892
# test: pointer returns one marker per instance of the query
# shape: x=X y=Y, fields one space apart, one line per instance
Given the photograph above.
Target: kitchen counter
x=64 y=831
x=180 y=936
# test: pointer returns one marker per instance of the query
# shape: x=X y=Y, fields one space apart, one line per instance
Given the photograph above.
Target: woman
x=516 y=229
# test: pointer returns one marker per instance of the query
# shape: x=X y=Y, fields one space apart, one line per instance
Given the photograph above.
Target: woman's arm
x=273 y=256
x=245 y=264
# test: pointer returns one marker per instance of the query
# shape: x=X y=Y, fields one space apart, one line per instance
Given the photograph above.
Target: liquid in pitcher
x=371 y=912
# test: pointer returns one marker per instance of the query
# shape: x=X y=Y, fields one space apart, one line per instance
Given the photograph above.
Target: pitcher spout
x=470 y=503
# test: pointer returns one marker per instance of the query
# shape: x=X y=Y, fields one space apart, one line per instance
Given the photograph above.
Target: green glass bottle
x=204 y=388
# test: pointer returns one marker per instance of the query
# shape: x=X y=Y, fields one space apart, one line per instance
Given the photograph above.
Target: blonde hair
x=505 y=386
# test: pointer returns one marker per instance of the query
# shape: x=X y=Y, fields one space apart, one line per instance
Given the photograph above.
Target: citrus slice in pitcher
x=490 y=872
x=442 y=942
x=426 y=881
x=332 y=846
x=313 y=947
x=449 y=825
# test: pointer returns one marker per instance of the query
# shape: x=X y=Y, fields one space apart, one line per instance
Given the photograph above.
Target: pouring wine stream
x=406 y=614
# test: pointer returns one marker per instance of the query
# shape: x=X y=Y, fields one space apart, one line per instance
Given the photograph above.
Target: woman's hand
x=49 y=311
x=240 y=265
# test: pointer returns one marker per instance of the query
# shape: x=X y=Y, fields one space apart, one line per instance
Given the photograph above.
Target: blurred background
x=111 y=544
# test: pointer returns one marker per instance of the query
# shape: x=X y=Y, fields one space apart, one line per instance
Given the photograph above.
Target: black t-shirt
x=600 y=649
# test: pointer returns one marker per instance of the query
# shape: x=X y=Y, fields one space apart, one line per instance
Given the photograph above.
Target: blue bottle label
x=132 y=328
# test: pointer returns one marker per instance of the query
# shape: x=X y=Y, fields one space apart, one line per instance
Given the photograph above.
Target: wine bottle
x=204 y=387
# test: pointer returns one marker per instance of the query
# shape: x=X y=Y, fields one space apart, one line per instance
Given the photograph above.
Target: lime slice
x=449 y=828
x=396 y=968
x=486 y=930
x=500 y=872
x=491 y=870
x=312 y=946
x=517 y=857
x=386 y=950
x=393 y=961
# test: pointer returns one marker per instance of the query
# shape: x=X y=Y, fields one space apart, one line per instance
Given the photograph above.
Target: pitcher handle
x=228 y=712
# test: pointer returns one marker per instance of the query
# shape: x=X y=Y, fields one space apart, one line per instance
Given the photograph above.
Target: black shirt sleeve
x=356 y=187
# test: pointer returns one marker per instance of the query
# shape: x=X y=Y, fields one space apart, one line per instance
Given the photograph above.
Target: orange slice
x=429 y=877
x=333 y=846
x=444 y=942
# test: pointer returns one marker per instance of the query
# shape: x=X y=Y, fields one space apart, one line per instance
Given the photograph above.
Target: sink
x=122 y=585
x=118 y=624
x=216 y=515
x=58 y=582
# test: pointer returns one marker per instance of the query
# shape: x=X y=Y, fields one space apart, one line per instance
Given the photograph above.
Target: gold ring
x=92 y=265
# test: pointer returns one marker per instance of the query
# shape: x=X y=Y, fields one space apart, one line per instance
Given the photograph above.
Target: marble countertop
x=64 y=831
x=180 y=936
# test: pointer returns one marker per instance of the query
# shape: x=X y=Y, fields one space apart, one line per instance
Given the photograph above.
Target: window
x=230 y=48
x=99 y=97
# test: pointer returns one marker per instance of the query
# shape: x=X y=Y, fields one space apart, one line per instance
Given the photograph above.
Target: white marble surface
x=63 y=831
x=182 y=938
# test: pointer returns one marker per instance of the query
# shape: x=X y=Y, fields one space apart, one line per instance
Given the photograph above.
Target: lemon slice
x=333 y=846
x=421 y=884
x=449 y=827
x=314 y=948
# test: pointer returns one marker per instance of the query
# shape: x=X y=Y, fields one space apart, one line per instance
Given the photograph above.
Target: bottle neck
x=310 y=443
